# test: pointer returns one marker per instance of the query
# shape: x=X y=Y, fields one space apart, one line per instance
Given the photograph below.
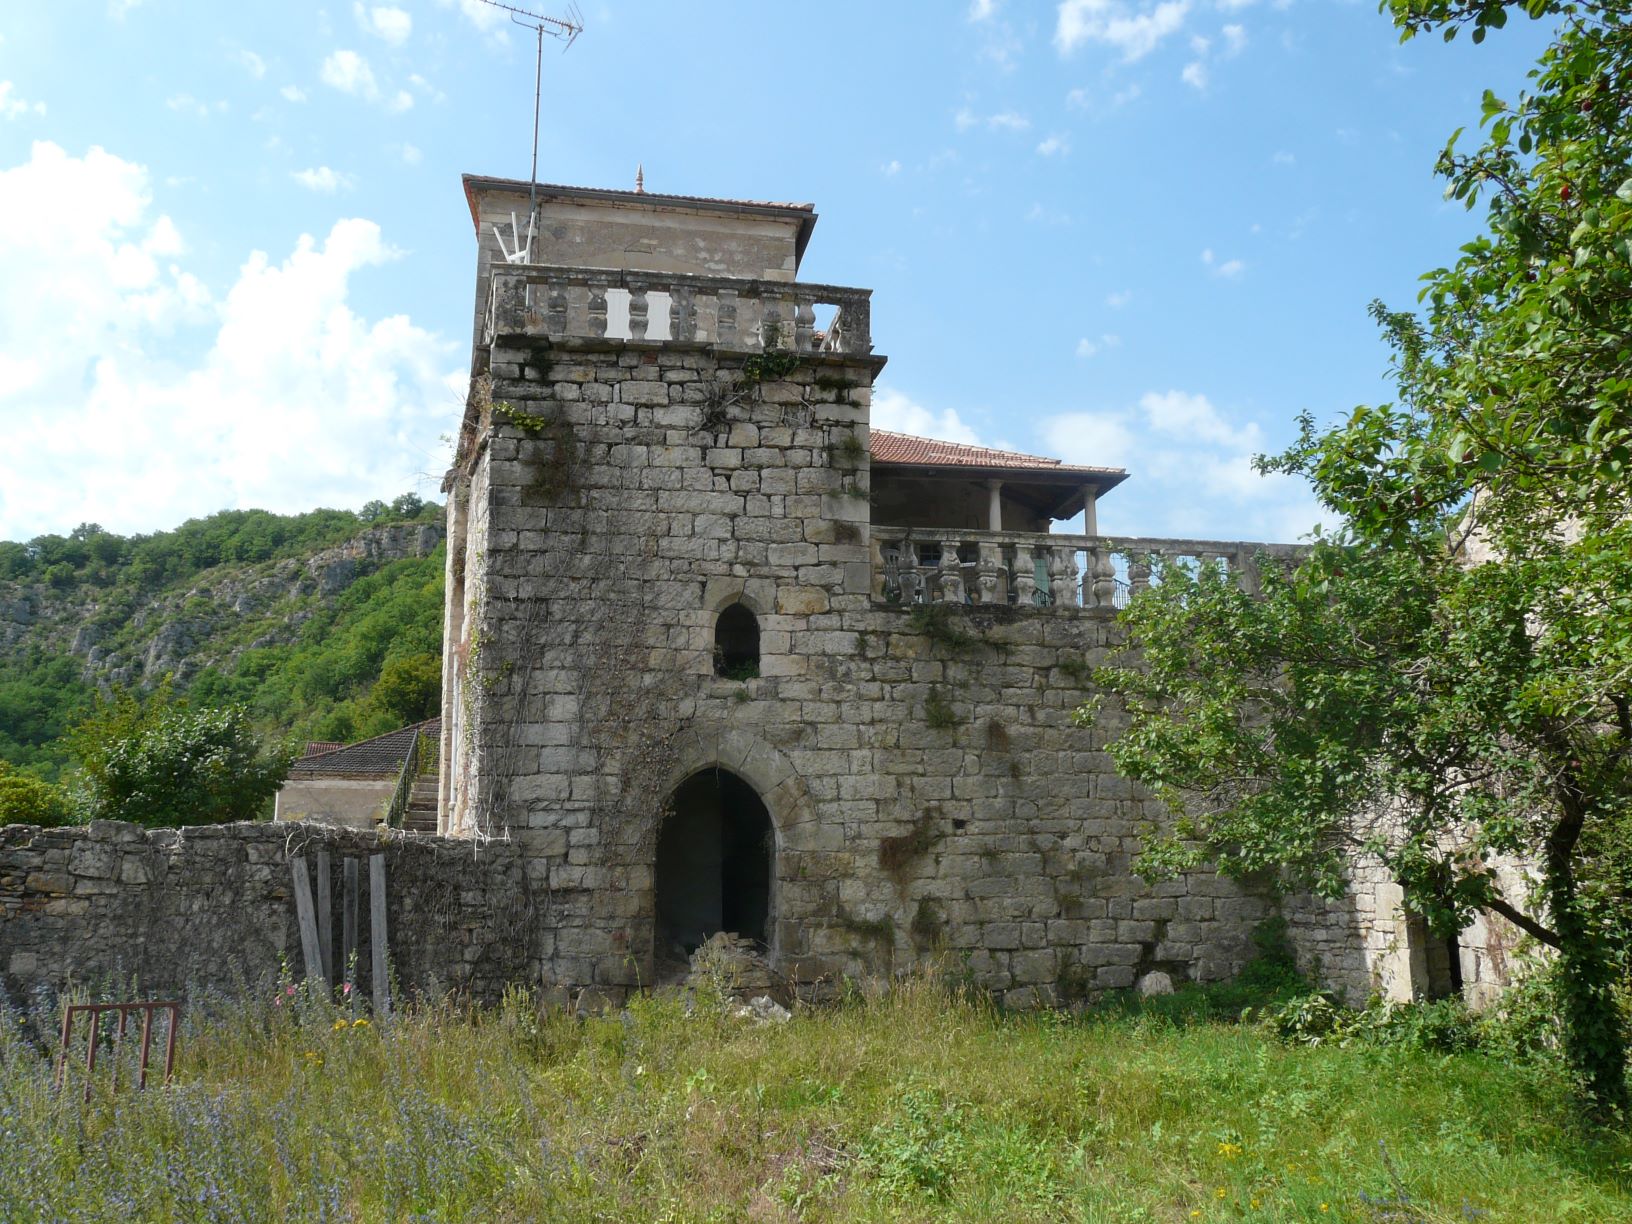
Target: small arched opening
x=714 y=857
x=736 y=643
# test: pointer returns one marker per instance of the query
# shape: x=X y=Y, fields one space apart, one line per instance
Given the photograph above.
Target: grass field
x=917 y=1106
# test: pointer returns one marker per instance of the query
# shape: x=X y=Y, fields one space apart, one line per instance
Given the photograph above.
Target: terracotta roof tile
x=900 y=448
x=381 y=756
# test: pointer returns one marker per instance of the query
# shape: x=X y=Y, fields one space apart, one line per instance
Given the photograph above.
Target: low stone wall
x=116 y=907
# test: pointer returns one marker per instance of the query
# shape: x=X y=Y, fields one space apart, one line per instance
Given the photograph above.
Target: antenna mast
x=567 y=30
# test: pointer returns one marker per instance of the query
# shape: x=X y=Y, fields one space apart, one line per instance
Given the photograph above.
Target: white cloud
x=1118 y=25
x=13 y=107
x=185 y=103
x=322 y=179
x=1002 y=121
x=293 y=93
x=1235 y=39
x=1228 y=268
x=1087 y=347
x=252 y=64
x=1099 y=439
x=411 y=155
x=489 y=20
x=136 y=397
x=1054 y=143
x=895 y=411
x=1195 y=75
x=385 y=22
x=890 y=168
x=350 y=73
x=1191 y=470
x=1283 y=158
x=981 y=10
x=1119 y=298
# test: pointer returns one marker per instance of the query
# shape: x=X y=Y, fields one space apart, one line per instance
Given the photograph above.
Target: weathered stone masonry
x=927 y=790
x=183 y=910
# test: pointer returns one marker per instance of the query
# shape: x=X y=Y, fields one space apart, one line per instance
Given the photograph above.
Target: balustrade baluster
x=1138 y=573
x=682 y=313
x=1062 y=572
x=597 y=308
x=639 y=308
x=1025 y=575
x=804 y=325
x=726 y=313
x=991 y=565
x=951 y=573
x=1103 y=581
x=555 y=306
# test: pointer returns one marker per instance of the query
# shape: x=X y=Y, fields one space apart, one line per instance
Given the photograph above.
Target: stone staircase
x=420 y=814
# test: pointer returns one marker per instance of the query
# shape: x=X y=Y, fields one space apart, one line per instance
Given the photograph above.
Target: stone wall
x=928 y=790
x=180 y=910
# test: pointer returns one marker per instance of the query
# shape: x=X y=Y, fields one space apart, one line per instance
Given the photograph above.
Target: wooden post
x=376 y=923
x=348 y=920
x=325 y=915
x=307 y=920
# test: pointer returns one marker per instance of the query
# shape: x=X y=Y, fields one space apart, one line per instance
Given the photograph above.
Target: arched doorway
x=714 y=859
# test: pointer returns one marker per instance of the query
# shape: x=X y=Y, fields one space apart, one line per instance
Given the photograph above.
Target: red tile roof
x=900 y=448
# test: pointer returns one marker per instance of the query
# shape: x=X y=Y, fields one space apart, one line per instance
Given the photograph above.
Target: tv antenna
x=566 y=29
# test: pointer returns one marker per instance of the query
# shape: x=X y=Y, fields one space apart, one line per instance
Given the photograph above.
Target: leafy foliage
x=1449 y=680
x=27 y=800
x=161 y=763
x=314 y=665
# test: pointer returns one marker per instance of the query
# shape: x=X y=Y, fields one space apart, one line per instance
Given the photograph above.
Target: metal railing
x=405 y=784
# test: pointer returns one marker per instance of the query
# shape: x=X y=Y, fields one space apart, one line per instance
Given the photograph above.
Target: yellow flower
x=359 y=1023
x=338 y=1025
x=1325 y=1206
x=1229 y=1150
x=1220 y=1192
x=1196 y=1214
x=1255 y=1204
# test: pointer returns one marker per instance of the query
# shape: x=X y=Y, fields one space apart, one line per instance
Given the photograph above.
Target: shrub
x=27 y=800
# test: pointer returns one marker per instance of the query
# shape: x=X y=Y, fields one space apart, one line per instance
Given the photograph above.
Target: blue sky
x=237 y=264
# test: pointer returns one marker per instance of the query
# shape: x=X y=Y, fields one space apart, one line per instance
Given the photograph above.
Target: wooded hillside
x=327 y=625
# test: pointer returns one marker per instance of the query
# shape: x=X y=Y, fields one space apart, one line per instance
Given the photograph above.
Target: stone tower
x=718 y=658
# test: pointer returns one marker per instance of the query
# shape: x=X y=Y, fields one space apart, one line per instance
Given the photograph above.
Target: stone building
x=717 y=657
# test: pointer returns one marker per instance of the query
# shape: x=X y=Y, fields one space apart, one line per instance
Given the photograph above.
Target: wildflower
x=1220 y=1192
x=1229 y=1151
x=338 y=1025
x=1196 y=1214
x=346 y=989
x=1254 y=1204
x=1325 y=1206
x=358 y=1023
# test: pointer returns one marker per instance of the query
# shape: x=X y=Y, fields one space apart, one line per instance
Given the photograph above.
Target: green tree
x=160 y=763
x=1448 y=679
x=26 y=800
x=409 y=689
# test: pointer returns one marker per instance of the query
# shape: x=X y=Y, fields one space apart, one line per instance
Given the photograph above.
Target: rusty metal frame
x=123 y=1011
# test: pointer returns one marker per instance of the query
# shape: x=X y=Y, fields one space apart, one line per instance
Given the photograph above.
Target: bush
x=26 y=800
x=162 y=763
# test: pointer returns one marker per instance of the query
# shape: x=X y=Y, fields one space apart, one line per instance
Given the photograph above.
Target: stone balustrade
x=749 y=316
x=938 y=565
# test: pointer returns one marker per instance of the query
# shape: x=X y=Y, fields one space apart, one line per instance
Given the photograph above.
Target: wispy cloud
x=1088 y=348
x=1134 y=33
x=1192 y=465
x=1229 y=269
x=13 y=107
x=350 y=73
x=1002 y=121
x=251 y=63
x=890 y=168
x=1119 y=298
x=982 y=10
x=386 y=22
x=1282 y=158
x=321 y=179
x=900 y=413
x=293 y=93
x=1054 y=144
x=1194 y=75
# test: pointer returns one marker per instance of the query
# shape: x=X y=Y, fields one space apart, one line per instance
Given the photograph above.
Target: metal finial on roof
x=640 y=178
